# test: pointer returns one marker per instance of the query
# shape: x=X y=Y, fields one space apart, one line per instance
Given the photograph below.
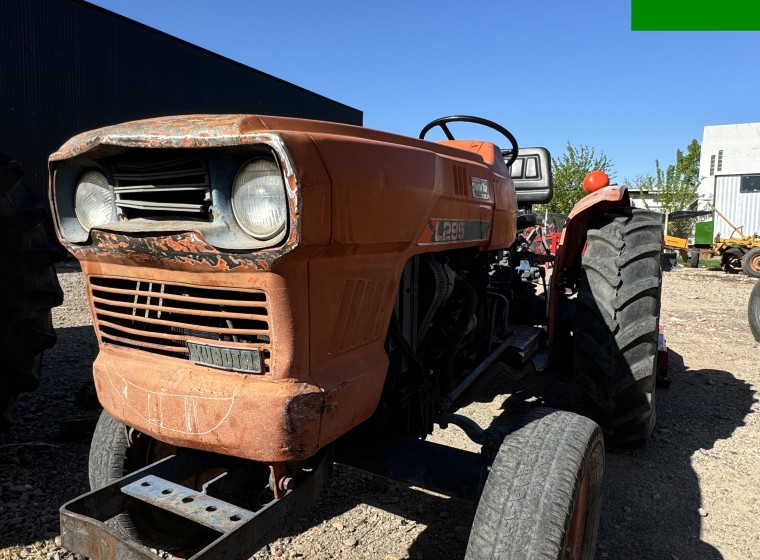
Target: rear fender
x=573 y=240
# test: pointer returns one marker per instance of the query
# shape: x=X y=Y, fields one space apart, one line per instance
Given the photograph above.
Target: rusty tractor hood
x=347 y=180
x=202 y=131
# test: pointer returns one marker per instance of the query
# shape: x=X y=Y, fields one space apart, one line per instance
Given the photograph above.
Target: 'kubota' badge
x=235 y=359
x=480 y=188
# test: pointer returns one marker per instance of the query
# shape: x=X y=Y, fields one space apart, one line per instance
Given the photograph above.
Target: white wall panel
x=742 y=209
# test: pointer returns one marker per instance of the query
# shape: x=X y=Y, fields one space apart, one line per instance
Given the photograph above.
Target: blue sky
x=549 y=70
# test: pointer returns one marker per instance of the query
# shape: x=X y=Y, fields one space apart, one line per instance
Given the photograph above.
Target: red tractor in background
x=271 y=295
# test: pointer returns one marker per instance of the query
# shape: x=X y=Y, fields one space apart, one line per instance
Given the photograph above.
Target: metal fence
x=681 y=223
x=555 y=222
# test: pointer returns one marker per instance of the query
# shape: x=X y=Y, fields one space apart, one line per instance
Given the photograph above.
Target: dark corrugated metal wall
x=68 y=66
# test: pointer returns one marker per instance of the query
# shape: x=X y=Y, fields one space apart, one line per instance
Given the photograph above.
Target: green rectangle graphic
x=695 y=15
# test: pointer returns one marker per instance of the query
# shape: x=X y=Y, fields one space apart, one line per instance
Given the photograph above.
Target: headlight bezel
x=65 y=179
x=222 y=231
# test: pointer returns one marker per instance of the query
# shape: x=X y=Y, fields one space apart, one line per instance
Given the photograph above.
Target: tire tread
x=525 y=508
x=617 y=322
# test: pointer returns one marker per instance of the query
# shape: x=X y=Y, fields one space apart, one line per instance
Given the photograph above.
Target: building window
x=712 y=165
x=720 y=160
x=750 y=184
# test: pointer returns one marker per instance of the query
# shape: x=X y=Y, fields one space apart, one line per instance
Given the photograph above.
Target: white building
x=643 y=198
x=729 y=169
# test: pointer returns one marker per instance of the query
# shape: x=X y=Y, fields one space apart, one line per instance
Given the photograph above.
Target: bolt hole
x=145 y=484
x=211 y=508
x=187 y=500
x=236 y=517
x=166 y=491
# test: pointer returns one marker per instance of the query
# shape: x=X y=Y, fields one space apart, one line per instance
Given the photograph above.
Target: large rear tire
x=753 y=312
x=542 y=499
x=751 y=262
x=28 y=287
x=617 y=321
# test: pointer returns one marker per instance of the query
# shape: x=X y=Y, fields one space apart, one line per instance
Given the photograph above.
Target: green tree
x=568 y=171
x=674 y=188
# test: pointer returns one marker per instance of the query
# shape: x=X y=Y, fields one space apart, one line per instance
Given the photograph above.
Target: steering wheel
x=511 y=153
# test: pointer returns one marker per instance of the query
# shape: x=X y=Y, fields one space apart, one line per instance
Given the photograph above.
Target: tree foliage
x=674 y=188
x=568 y=171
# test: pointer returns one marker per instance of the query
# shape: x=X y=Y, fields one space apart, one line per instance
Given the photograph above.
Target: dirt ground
x=691 y=493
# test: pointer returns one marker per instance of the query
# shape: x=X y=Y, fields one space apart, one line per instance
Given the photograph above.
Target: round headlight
x=93 y=200
x=258 y=199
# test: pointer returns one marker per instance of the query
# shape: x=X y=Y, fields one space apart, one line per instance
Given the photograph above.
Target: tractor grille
x=160 y=318
x=169 y=189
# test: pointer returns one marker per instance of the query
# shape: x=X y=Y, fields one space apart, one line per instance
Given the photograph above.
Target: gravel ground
x=691 y=493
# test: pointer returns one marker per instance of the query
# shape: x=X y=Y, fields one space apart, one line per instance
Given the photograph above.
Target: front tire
x=112 y=458
x=542 y=499
x=617 y=322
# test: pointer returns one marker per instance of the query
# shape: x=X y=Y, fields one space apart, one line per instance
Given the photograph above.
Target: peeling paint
x=182 y=251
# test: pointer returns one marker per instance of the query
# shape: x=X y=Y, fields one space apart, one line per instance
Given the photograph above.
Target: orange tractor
x=272 y=295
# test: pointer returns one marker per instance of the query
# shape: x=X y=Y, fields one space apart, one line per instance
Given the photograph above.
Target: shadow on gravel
x=43 y=460
x=652 y=494
x=652 y=498
x=447 y=521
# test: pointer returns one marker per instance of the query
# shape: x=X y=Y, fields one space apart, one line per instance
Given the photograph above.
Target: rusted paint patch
x=194 y=131
x=303 y=414
x=180 y=251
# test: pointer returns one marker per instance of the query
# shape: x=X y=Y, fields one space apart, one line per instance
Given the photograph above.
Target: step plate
x=195 y=506
x=84 y=531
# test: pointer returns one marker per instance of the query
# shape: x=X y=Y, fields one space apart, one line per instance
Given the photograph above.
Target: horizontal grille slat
x=104 y=323
x=144 y=344
x=259 y=303
x=166 y=309
x=190 y=208
x=175 y=338
x=161 y=317
x=153 y=188
x=182 y=325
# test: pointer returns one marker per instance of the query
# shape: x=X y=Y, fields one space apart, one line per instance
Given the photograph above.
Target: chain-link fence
x=681 y=223
x=555 y=222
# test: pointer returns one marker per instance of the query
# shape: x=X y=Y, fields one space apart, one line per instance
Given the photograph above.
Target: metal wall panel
x=67 y=66
x=742 y=209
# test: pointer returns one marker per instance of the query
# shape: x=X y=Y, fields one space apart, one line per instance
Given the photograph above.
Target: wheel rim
x=577 y=529
x=754 y=263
